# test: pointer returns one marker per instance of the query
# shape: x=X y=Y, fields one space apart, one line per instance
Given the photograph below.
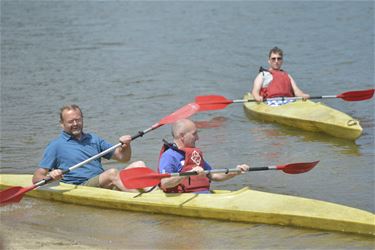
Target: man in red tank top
x=275 y=82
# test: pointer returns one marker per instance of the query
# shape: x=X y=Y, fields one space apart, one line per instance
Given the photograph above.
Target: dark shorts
x=93 y=182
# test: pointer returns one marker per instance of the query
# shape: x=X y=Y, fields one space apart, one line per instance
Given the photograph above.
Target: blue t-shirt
x=66 y=151
x=172 y=161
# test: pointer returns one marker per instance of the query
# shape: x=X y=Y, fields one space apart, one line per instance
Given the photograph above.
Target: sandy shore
x=16 y=237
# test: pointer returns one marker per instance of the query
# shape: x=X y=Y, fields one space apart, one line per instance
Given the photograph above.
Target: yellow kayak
x=306 y=115
x=244 y=205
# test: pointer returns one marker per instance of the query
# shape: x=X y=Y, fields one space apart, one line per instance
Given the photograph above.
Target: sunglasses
x=276 y=59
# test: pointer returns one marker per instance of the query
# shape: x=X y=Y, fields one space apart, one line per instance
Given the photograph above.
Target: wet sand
x=17 y=237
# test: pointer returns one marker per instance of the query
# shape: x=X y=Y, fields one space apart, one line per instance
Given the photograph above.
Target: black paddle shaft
x=225 y=171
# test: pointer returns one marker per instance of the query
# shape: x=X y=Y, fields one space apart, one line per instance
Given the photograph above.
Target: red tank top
x=279 y=86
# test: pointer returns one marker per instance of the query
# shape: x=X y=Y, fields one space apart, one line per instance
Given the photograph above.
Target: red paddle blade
x=212 y=102
x=358 y=95
x=184 y=112
x=297 y=168
x=13 y=194
x=210 y=99
x=140 y=177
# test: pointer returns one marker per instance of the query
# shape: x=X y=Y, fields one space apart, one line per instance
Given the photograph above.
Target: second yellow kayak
x=306 y=115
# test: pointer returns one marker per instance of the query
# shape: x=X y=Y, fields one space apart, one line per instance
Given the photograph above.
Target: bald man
x=184 y=156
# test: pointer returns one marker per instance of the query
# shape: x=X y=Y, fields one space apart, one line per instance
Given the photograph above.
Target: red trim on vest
x=280 y=85
x=193 y=157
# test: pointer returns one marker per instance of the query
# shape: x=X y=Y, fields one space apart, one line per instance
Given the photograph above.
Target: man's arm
x=223 y=176
x=171 y=181
x=174 y=181
x=257 y=85
x=123 y=153
x=297 y=91
x=43 y=173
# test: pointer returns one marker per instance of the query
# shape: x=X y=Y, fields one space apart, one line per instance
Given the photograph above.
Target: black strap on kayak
x=142 y=191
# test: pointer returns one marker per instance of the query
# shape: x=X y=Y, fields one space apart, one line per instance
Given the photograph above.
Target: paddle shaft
x=212 y=102
x=285 y=98
x=225 y=170
x=227 y=102
x=184 y=112
x=146 y=177
x=141 y=133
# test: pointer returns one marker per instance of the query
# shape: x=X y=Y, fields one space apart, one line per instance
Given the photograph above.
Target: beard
x=76 y=132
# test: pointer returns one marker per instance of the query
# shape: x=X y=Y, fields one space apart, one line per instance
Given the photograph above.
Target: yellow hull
x=243 y=205
x=306 y=115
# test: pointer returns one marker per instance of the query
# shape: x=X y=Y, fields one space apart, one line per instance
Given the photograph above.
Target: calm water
x=129 y=64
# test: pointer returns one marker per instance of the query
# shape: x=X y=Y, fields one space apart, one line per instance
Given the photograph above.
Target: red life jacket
x=279 y=86
x=193 y=157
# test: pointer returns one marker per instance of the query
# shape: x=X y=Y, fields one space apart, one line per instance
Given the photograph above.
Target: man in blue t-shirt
x=74 y=146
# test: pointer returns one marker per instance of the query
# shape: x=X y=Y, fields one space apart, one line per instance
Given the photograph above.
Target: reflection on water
x=212 y=123
x=340 y=145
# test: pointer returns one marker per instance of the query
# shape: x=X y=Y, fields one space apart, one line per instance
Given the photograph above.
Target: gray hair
x=69 y=107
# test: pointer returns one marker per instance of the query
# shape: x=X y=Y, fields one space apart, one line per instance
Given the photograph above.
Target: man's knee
x=137 y=164
x=112 y=173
